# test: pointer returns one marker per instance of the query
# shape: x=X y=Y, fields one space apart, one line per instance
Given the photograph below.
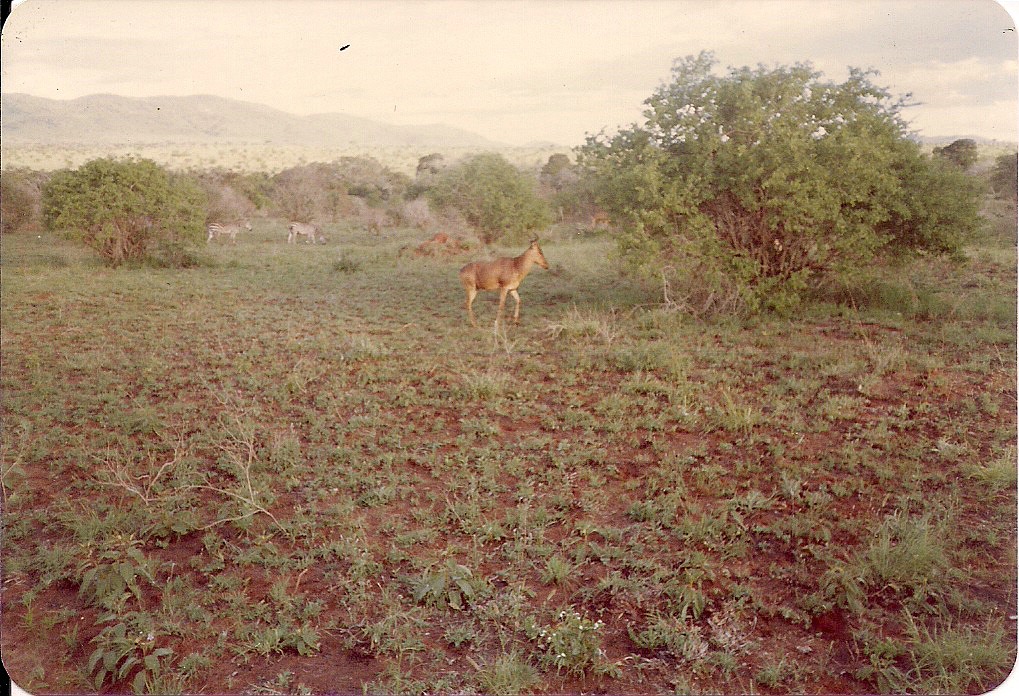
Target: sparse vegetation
x=297 y=469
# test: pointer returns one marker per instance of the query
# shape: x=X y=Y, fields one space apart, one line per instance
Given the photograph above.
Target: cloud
x=520 y=66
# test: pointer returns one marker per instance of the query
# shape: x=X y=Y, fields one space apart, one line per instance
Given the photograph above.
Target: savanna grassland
x=249 y=157
x=298 y=469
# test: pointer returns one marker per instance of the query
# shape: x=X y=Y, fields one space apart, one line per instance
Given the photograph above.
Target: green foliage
x=568 y=193
x=941 y=659
x=452 y=585
x=572 y=643
x=962 y=153
x=906 y=555
x=493 y=195
x=1005 y=176
x=507 y=675
x=113 y=577
x=127 y=211
x=740 y=192
x=125 y=647
x=557 y=172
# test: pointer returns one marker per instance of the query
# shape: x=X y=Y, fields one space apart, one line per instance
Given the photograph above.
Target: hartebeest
x=504 y=274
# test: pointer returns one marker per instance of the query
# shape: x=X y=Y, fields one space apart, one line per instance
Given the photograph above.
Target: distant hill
x=942 y=140
x=106 y=119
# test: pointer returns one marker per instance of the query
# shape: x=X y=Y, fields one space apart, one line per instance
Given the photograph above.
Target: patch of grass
x=507 y=675
x=601 y=327
x=941 y=658
x=999 y=474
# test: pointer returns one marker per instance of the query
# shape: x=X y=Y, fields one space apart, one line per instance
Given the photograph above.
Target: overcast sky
x=515 y=72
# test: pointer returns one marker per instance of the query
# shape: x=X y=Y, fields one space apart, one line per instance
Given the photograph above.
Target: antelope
x=218 y=229
x=299 y=228
x=503 y=274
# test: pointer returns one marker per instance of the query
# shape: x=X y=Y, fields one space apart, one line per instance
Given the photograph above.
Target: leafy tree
x=430 y=165
x=367 y=178
x=311 y=192
x=127 y=211
x=740 y=191
x=567 y=192
x=227 y=194
x=558 y=172
x=326 y=191
x=962 y=153
x=494 y=196
x=1005 y=176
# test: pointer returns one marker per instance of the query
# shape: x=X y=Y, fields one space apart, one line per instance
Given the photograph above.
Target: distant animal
x=218 y=229
x=503 y=274
x=298 y=229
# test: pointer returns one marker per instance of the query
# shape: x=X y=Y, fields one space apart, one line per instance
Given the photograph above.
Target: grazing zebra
x=218 y=229
x=303 y=228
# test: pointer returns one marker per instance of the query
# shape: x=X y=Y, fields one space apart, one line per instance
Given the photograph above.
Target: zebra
x=303 y=228
x=218 y=229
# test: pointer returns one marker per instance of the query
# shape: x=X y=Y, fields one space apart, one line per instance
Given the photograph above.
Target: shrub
x=127 y=211
x=231 y=197
x=1005 y=176
x=962 y=153
x=333 y=191
x=416 y=213
x=741 y=192
x=310 y=192
x=20 y=191
x=494 y=196
x=572 y=643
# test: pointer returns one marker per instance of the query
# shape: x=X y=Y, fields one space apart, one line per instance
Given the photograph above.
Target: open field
x=298 y=469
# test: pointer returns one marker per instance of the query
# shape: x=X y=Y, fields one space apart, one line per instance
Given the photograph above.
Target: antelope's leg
x=502 y=304
x=516 y=313
x=471 y=294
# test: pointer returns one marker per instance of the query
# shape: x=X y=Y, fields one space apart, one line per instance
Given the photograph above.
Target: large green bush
x=127 y=211
x=496 y=198
x=741 y=191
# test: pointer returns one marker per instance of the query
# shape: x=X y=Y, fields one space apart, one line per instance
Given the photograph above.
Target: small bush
x=20 y=192
x=417 y=213
x=573 y=643
x=493 y=196
x=507 y=675
x=228 y=197
x=349 y=186
x=128 y=211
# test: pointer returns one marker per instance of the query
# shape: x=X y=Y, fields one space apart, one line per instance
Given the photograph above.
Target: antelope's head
x=535 y=251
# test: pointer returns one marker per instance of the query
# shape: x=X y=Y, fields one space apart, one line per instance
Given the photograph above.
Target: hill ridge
x=203 y=118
